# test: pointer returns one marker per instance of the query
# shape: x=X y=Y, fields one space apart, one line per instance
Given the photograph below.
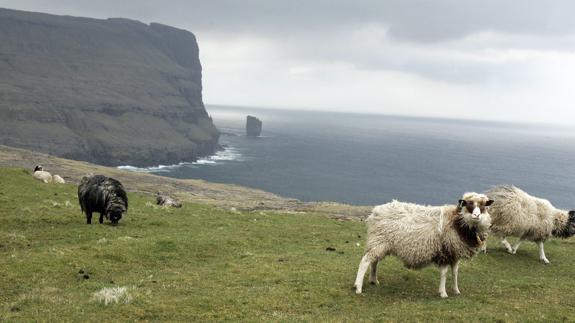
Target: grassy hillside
x=226 y=196
x=202 y=263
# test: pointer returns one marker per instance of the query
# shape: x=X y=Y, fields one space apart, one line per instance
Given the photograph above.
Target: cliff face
x=113 y=91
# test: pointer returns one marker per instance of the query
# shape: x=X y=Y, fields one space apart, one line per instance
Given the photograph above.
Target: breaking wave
x=227 y=154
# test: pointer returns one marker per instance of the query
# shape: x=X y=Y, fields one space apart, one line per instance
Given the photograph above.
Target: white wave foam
x=155 y=169
x=228 y=154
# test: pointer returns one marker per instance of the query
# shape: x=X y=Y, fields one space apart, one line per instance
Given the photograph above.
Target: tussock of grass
x=202 y=264
x=112 y=295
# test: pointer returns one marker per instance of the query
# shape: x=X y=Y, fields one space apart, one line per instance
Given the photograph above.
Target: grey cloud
x=320 y=30
x=504 y=55
x=416 y=20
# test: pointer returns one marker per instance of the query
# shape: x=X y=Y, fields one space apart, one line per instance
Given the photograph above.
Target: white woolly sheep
x=58 y=179
x=421 y=235
x=516 y=213
x=41 y=175
x=46 y=177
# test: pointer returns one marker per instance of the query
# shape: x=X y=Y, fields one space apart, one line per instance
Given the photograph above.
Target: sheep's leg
x=516 y=246
x=542 y=253
x=443 y=271
x=101 y=218
x=507 y=246
x=484 y=247
x=88 y=217
x=373 y=273
x=454 y=273
x=363 y=265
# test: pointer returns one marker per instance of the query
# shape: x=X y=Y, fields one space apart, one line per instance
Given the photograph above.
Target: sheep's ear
x=489 y=202
x=572 y=214
x=462 y=203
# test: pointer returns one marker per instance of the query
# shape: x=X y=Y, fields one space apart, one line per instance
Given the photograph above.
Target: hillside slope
x=226 y=196
x=112 y=92
x=199 y=263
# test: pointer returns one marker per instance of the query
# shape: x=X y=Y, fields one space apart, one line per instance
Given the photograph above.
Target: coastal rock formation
x=112 y=92
x=253 y=126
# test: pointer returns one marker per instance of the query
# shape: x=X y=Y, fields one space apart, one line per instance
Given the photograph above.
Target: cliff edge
x=111 y=92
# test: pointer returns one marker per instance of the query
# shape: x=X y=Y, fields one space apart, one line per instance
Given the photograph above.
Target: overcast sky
x=488 y=59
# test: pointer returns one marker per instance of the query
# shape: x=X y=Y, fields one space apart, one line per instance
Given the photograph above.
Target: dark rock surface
x=253 y=126
x=112 y=92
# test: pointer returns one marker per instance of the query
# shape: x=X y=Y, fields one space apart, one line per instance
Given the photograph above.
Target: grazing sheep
x=41 y=175
x=516 y=213
x=104 y=195
x=420 y=235
x=165 y=200
x=58 y=179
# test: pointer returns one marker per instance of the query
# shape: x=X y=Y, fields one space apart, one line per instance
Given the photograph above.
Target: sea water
x=371 y=159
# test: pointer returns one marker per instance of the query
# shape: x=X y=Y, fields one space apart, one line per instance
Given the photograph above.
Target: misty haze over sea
x=371 y=159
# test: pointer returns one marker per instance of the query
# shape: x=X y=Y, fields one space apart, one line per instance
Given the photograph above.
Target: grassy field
x=199 y=263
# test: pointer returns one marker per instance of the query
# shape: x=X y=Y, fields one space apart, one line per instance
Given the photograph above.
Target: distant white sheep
x=516 y=213
x=421 y=235
x=42 y=175
x=46 y=177
x=58 y=180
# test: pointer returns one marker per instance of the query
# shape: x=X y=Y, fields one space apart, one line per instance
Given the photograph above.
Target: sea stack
x=253 y=126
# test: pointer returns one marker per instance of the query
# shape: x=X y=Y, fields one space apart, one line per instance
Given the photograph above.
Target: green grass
x=199 y=263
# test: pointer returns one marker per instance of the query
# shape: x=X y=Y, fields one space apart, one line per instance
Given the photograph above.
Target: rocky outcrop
x=253 y=126
x=112 y=92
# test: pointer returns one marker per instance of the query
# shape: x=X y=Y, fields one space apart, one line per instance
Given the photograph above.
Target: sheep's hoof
x=443 y=295
x=545 y=261
x=456 y=292
x=514 y=251
x=374 y=282
x=510 y=251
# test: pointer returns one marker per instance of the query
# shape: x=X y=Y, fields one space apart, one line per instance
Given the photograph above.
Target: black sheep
x=104 y=195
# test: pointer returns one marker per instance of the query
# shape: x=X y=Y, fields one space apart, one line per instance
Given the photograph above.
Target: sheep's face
x=115 y=215
x=565 y=230
x=569 y=230
x=474 y=210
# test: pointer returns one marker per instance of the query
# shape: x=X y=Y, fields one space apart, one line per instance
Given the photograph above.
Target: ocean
x=371 y=159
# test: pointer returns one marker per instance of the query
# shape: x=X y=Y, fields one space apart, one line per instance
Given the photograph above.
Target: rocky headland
x=112 y=92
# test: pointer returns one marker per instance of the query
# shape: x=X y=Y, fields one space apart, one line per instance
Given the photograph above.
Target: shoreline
x=226 y=196
x=223 y=154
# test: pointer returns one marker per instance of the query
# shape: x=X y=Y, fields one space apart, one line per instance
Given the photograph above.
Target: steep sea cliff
x=112 y=92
